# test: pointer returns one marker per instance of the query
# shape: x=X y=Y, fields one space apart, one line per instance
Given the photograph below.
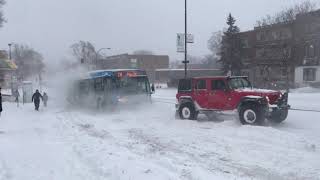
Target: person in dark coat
x=0 y=101
x=36 y=99
x=16 y=95
x=152 y=88
x=45 y=99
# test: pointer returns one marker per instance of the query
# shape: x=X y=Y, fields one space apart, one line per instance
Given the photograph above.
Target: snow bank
x=306 y=90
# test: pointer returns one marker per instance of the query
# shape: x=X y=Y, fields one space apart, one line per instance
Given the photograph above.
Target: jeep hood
x=271 y=94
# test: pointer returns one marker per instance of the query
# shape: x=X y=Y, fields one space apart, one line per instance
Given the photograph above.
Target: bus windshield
x=134 y=85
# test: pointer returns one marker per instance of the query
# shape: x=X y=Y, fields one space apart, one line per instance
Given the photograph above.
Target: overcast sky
x=51 y=26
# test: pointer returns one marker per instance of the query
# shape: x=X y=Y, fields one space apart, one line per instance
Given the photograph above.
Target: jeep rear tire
x=251 y=114
x=187 y=111
x=279 y=115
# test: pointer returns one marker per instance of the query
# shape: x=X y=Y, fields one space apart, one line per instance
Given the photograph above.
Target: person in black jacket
x=45 y=99
x=36 y=99
x=0 y=101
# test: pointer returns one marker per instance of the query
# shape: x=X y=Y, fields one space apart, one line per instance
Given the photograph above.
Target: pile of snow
x=306 y=90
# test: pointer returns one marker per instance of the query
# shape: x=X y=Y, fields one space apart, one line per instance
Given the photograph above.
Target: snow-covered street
x=149 y=143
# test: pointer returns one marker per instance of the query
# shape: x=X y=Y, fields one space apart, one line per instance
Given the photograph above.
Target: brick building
x=149 y=63
x=281 y=53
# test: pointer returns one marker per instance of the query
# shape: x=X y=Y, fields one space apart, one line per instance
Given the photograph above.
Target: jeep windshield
x=239 y=83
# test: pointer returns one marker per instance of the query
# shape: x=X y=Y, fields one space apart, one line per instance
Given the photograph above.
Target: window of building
x=260 y=52
x=274 y=35
x=283 y=71
x=218 y=85
x=309 y=50
x=261 y=36
x=201 y=84
x=261 y=70
x=134 y=63
x=309 y=74
x=245 y=43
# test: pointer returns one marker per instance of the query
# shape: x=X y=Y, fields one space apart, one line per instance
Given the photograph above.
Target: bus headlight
x=123 y=99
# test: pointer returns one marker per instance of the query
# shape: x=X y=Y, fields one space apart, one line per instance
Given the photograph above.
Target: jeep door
x=201 y=92
x=219 y=95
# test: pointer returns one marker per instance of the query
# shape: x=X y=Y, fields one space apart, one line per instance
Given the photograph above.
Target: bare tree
x=288 y=14
x=84 y=52
x=29 y=61
x=2 y=20
x=214 y=43
x=143 y=52
x=211 y=61
x=195 y=59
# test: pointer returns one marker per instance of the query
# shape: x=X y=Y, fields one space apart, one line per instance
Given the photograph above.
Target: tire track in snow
x=210 y=161
x=184 y=156
x=73 y=132
x=90 y=131
x=153 y=145
x=184 y=159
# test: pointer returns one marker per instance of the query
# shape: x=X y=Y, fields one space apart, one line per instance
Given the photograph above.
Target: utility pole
x=185 y=41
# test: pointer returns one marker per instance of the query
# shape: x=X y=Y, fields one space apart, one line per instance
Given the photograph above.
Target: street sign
x=190 y=38
x=181 y=41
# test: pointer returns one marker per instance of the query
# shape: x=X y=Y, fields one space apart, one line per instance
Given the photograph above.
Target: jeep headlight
x=280 y=95
x=267 y=98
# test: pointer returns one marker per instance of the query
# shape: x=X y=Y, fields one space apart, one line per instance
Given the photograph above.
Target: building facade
x=149 y=63
x=283 y=54
x=7 y=70
x=171 y=76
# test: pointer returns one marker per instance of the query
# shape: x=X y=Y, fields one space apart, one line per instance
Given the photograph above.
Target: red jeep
x=211 y=94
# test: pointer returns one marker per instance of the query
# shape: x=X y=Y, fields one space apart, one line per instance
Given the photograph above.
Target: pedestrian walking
x=36 y=99
x=0 y=102
x=23 y=97
x=152 y=88
x=45 y=99
x=17 y=95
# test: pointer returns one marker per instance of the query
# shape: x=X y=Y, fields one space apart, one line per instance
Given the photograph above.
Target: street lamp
x=97 y=54
x=10 y=44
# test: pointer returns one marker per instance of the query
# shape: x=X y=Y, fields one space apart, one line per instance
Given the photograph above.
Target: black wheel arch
x=258 y=100
x=186 y=100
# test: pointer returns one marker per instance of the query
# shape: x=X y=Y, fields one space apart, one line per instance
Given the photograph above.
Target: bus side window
x=107 y=84
x=84 y=87
x=98 y=84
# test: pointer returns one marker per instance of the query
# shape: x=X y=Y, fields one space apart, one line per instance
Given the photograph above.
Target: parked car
x=211 y=94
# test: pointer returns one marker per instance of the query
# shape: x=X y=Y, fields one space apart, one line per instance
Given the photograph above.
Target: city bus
x=109 y=88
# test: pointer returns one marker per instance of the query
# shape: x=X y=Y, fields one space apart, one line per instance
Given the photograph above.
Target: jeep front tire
x=278 y=116
x=252 y=114
x=187 y=111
